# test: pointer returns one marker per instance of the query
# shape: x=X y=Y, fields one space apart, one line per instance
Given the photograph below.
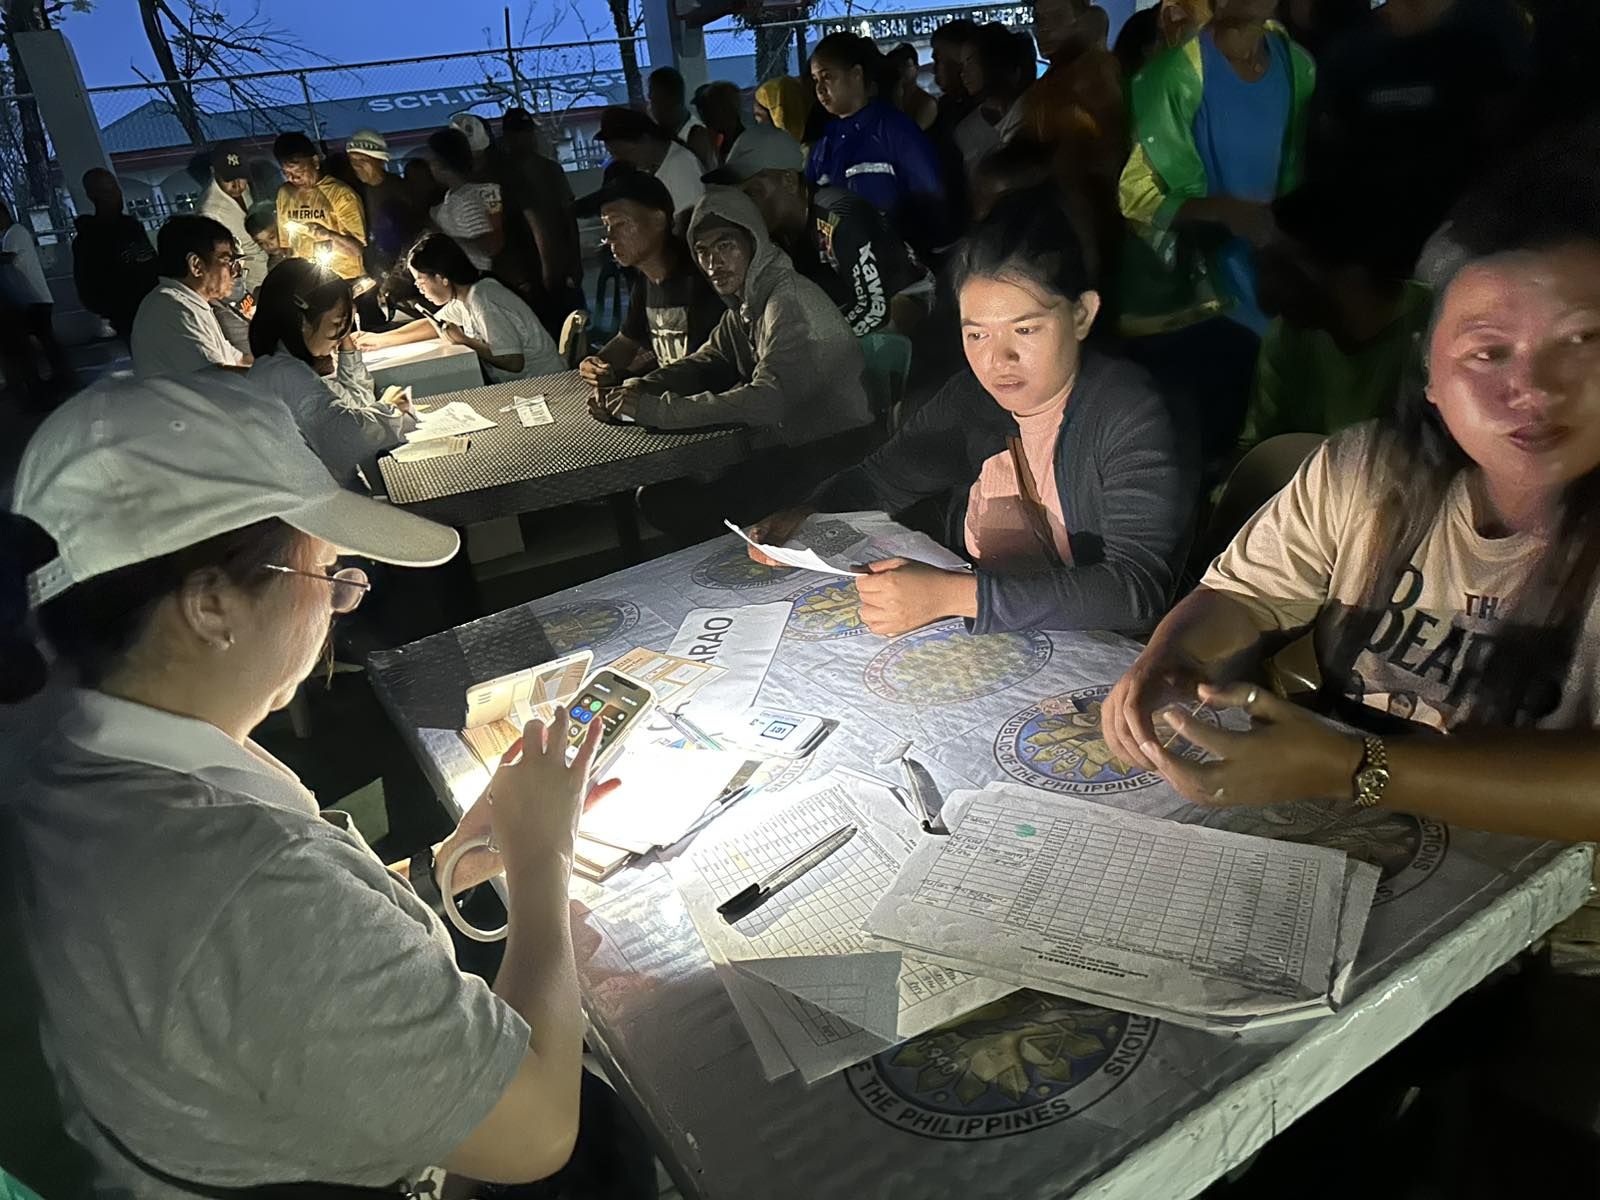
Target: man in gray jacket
x=782 y=361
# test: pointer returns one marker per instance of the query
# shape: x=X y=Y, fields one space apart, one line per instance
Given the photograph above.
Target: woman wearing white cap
x=234 y=991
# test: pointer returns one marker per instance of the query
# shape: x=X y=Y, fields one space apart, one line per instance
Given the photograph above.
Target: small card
x=533 y=411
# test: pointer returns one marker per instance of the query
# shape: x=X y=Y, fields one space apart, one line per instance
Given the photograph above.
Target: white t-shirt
x=680 y=170
x=18 y=240
x=472 y=210
x=175 y=333
x=493 y=313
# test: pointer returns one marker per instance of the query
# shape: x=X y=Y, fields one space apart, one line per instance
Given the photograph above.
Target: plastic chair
x=1259 y=476
x=888 y=366
x=12 y=1188
x=573 y=345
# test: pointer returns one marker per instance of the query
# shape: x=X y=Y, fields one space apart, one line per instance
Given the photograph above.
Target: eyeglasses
x=349 y=585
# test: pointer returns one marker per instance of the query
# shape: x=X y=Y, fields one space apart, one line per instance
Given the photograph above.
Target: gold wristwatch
x=1371 y=779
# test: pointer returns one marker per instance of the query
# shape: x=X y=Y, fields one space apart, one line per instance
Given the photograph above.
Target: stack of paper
x=1190 y=924
x=455 y=418
x=665 y=792
x=812 y=991
x=844 y=543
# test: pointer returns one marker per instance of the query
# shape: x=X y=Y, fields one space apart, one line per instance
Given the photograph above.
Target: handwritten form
x=814 y=993
x=1192 y=924
x=841 y=543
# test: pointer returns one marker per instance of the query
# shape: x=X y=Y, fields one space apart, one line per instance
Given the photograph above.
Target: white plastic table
x=1034 y=1096
x=429 y=368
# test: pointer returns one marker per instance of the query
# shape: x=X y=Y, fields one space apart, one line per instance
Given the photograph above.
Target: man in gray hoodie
x=782 y=361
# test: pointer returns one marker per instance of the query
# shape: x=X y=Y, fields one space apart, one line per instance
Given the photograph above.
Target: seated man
x=672 y=309
x=319 y=217
x=835 y=238
x=175 y=330
x=1348 y=319
x=781 y=361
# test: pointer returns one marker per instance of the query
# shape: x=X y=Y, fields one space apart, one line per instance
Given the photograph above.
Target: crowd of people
x=1153 y=257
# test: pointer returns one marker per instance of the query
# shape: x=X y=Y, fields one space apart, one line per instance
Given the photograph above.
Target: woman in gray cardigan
x=1069 y=488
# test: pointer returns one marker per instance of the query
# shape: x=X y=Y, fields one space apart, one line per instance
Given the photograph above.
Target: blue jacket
x=881 y=156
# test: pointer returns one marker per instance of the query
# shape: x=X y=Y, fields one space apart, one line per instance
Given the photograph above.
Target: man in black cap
x=634 y=138
x=673 y=308
x=227 y=201
x=836 y=239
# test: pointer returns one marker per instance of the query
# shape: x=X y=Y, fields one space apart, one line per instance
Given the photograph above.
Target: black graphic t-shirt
x=852 y=254
x=1301 y=563
x=672 y=318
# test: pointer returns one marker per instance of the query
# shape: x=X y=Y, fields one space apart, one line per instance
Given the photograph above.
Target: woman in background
x=305 y=355
x=476 y=311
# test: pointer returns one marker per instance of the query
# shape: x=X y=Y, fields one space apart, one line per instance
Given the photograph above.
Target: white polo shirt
x=231 y=984
x=176 y=333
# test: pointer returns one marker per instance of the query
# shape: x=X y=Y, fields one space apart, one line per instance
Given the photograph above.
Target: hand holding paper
x=843 y=543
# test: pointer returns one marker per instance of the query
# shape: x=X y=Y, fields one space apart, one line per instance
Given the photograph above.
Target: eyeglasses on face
x=349 y=584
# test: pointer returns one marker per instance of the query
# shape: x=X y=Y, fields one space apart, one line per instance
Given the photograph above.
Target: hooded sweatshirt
x=782 y=360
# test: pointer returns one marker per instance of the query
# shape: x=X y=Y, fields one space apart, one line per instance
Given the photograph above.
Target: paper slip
x=825 y=995
x=665 y=792
x=669 y=676
x=497 y=709
x=742 y=641
x=840 y=543
x=1182 y=922
x=531 y=412
x=439 y=447
x=455 y=418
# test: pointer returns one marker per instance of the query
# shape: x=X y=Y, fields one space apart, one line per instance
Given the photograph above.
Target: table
x=428 y=368
x=1035 y=1096
x=513 y=469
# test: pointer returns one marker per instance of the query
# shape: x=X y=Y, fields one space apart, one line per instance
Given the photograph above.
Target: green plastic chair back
x=12 y=1189
x=888 y=366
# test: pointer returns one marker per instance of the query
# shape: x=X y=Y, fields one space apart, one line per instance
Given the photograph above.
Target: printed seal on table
x=731 y=569
x=1056 y=744
x=1405 y=849
x=944 y=664
x=825 y=612
x=1025 y=1062
x=584 y=626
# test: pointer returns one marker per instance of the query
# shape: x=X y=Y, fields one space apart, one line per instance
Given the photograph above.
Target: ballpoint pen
x=757 y=894
x=691 y=731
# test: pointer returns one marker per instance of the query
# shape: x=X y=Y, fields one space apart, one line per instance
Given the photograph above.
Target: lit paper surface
x=816 y=1001
x=1196 y=925
x=455 y=418
x=664 y=793
x=840 y=543
x=742 y=642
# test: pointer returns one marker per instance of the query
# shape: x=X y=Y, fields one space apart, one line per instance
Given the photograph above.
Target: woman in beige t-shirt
x=1445 y=559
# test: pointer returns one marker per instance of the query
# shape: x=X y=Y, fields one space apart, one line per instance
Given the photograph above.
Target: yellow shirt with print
x=327 y=202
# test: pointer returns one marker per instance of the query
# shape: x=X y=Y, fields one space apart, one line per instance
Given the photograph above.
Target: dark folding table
x=514 y=469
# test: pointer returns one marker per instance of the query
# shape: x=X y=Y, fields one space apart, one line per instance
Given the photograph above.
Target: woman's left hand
x=454 y=334
x=898 y=596
x=1288 y=754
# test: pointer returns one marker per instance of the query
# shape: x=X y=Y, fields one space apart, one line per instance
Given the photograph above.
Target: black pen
x=757 y=894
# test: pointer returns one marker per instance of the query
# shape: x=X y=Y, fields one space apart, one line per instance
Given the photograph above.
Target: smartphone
x=618 y=702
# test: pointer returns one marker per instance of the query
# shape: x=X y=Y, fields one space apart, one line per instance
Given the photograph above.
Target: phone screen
x=607 y=699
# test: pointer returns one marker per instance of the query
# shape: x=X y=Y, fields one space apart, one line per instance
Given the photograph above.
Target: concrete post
x=671 y=44
x=64 y=107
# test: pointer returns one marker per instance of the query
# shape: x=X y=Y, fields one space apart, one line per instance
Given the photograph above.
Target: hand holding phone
x=617 y=702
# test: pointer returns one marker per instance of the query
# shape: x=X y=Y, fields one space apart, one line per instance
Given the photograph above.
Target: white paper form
x=1146 y=915
x=802 y=959
x=665 y=791
x=454 y=418
x=840 y=543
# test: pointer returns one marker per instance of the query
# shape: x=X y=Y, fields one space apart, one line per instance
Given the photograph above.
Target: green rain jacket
x=1166 y=274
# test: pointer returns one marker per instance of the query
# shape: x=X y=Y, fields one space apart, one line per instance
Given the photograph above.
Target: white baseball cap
x=134 y=469
x=475 y=128
x=369 y=142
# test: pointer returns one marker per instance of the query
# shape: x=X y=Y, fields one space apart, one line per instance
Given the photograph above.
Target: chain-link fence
x=781 y=47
